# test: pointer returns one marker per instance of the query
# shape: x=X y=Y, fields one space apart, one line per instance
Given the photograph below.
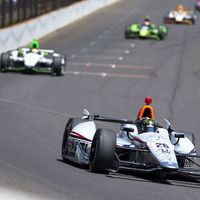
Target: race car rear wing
x=87 y=115
x=41 y=50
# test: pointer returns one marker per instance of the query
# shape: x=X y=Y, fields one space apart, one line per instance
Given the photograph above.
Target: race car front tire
x=57 y=66
x=5 y=59
x=71 y=123
x=102 y=151
x=161 y=36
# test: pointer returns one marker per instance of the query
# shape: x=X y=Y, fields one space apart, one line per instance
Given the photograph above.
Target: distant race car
x=147 y=30
x=33 y=60
x=180 y=16
x=197 y=5
x=141 y=146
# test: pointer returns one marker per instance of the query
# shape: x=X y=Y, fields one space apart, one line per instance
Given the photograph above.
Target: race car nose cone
x=168 y=165
x=148 y=100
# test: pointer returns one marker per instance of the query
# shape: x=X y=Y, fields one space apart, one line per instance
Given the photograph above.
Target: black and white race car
x=150 y=148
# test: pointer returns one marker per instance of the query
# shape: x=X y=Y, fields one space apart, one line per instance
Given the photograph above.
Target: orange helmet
x=180 y=7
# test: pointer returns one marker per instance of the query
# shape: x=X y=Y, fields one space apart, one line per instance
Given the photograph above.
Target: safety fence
x=14 y=11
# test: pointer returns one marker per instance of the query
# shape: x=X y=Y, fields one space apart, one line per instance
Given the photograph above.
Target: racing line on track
x=40 y=109
x=103 y=74
x=88 y=64
x=7 y=101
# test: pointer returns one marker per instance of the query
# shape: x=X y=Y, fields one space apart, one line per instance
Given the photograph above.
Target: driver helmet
x=35 y=46
x=148 y=125
x=180 y=8
x=146 y=21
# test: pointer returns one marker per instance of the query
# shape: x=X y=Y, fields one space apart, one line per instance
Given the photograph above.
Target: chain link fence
x=14 y=11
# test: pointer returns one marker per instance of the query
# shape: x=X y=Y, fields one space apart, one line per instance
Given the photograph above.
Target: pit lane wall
x=21 y=34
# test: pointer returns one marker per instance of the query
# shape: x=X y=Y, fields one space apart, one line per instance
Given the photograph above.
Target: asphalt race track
x=107 y=75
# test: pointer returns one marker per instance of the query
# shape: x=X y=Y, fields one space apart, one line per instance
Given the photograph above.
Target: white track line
x=103 y=74
x=99 y=57
x=92 y=50
x=92 y=43
x=27 y=106
x=108 y=37
x=88 y=64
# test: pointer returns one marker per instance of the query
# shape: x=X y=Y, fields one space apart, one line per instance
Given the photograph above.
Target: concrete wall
x=21 y=34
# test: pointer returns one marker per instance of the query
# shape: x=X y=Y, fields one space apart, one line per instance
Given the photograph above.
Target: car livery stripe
x=138 y=140
x=72 y=133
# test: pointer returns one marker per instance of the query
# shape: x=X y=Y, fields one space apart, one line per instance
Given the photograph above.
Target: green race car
x=143 y=31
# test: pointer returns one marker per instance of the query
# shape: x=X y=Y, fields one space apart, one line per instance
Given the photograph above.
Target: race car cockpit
x=145 y=119
x=34 y=47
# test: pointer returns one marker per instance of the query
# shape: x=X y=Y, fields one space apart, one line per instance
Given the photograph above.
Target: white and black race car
x=159 y=149
x=28 y=60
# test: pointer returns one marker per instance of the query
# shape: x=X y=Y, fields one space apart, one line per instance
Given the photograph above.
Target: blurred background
x=15 y=11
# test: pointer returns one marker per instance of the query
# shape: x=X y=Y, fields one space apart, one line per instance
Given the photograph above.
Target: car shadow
x=172 y=180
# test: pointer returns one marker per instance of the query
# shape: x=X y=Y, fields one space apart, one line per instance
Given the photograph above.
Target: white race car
x=180 y=16
x=150 y=148
x=33 y=61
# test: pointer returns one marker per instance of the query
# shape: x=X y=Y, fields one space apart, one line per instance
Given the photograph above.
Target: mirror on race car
x=179 y=135
x=166 y=124
x=176 y=136
x=131 y=130
x=128 y=129
x=86 y=114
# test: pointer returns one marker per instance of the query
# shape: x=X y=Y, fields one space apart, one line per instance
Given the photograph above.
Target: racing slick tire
x=163 y=31
x=5 y=59
x=193 y=21
x=197 y=8
x=102 y=151
x=167 y=20
x=127 y=34
x=71 y=123
x=57 y=66
x=161 y=36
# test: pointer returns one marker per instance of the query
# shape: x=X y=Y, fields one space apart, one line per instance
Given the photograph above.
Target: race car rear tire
x=63 y=68
x=193 y=21
x=71 y=123
x=102 y=151
x=57 y=66
x=167 y=20
x=127 y=34
x=5 y=59
x=161 y=36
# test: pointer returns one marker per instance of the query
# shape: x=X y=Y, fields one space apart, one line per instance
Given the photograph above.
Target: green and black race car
x=146 y=30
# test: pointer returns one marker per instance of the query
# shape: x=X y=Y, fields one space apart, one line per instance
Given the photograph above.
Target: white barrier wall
x=21 y=34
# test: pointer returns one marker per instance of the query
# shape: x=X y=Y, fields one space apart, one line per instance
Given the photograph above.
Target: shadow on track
x=172 y=180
